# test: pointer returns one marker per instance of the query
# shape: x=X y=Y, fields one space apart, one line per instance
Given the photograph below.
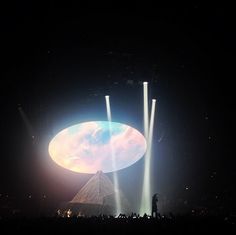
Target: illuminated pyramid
x=97 y=196
x=95 y=190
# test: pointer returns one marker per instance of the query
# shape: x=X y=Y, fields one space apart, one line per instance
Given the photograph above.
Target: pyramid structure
x=95 y=190
x=97 y=196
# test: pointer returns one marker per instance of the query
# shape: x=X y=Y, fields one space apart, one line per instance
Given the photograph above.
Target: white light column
x=145 y=123
x=145 y=108
x=115 y=177
x=146 y=193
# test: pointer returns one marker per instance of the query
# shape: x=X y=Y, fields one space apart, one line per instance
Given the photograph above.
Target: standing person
x=154 y=205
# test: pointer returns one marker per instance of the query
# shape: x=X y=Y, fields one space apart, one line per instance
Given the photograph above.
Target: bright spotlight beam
x=115 y=177
x=145 y=122
x=108 y=108
x=146 y=194
x=145 y=108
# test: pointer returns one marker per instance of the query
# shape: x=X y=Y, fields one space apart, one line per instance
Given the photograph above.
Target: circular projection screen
x=97 y=146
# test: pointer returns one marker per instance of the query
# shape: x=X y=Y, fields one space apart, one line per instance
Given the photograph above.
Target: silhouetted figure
x=154 y=205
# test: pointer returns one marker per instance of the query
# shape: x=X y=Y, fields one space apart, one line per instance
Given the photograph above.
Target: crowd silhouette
x=122 y=224
x=69 y=221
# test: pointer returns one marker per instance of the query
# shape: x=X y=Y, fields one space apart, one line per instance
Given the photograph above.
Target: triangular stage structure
x=97 y=197
x=95 y=190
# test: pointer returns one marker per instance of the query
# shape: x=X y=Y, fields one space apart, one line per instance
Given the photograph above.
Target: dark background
x=59 y=61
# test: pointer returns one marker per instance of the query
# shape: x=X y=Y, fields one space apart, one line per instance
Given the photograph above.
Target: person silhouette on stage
x=154 y=205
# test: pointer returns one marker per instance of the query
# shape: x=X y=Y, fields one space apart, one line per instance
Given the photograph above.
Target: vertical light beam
x=145 y=108
x=145 y=123
x=108 y=107
x=146 y=194
x=115 y=177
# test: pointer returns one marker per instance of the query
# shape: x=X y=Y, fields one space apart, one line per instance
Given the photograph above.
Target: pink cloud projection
x=91 y=146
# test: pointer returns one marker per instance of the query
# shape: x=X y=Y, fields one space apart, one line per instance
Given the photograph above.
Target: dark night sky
x=58 y=63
